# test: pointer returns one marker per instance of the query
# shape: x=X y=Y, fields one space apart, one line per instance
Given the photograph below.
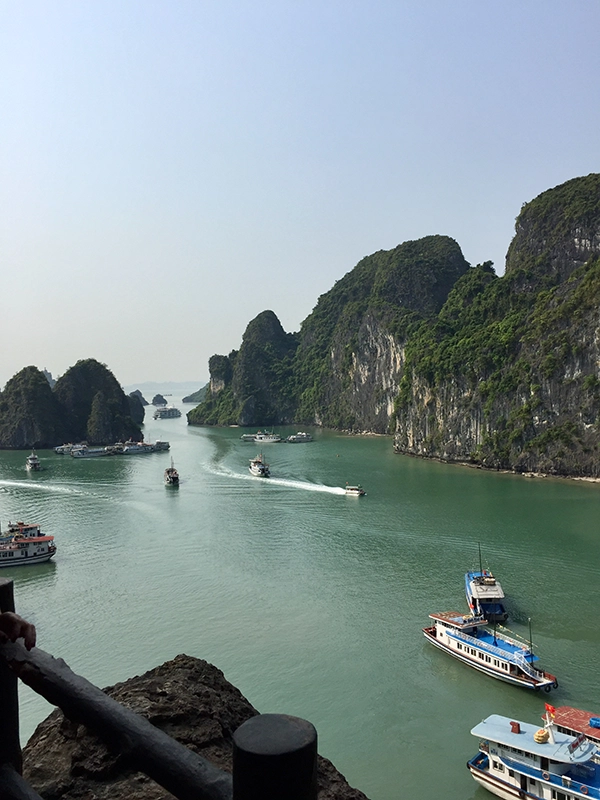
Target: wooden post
x=10 y=746
x=275 y=757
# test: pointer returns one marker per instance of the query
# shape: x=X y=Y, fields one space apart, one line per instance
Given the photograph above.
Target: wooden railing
x=274 y=755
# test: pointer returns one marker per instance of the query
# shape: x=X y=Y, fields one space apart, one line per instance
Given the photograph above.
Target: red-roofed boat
x=575 y=721
x=23 y=543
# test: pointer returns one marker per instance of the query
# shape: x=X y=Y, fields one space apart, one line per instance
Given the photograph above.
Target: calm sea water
x=312 y=602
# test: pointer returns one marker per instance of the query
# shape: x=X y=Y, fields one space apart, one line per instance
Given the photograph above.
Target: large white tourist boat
x=298 y=438
x=166 y=412
x=32 y=462
x=519 y=760
x=259 y=467
x=470 y=640
x=25 y=544
x=267 y=437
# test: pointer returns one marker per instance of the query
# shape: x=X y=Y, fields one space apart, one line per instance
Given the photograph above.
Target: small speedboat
x=355 y=491
x=259 y=467
x=32 y=462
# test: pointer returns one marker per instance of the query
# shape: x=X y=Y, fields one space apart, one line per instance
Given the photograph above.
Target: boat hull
x=497 y=787
x=523 y=682
x=20 y=557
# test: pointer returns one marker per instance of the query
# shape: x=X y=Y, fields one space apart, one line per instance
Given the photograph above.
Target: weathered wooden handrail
x=275 y=755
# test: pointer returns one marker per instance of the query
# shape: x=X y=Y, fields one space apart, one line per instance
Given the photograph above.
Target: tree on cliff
x=30 y=414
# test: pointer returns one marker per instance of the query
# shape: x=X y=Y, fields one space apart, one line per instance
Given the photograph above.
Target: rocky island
x=456 y=362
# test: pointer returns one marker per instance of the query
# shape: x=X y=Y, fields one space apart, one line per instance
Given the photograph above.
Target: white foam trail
x=304 y=485
x=41 y=487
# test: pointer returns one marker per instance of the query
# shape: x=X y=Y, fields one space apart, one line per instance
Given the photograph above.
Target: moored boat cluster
x=559 y=761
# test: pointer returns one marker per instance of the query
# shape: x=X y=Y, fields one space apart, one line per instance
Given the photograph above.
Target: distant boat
x=484 y=594
x=355 y=491
x=171 y=475
x=263 y=437
x=32 y=462
x=259 y=467
x=25 y=544
x=297 y=438
x=166 y=412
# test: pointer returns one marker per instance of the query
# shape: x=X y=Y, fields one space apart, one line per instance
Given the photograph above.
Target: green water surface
x=312 y=602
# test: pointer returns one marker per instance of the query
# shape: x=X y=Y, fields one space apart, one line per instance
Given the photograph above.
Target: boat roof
x=457 y=619
x=499 y=729
x=483 y=591
x=578 y=720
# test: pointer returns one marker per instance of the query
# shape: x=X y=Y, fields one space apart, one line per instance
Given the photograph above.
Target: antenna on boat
x=480 y=565
x=530 y=641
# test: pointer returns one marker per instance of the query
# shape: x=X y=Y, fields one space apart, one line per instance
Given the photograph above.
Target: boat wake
x=5 y=485
x=290 y=484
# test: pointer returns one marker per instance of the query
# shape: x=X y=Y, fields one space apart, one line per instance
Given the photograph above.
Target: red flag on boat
x=550 y=709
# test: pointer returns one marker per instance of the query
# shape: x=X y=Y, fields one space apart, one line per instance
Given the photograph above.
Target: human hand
x=13 y=627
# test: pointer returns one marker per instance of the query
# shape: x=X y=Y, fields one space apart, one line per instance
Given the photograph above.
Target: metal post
x=275 y=757
x=10 y=746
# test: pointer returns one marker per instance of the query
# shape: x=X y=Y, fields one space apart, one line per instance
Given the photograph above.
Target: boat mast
x=530 y=642
x=480 y=566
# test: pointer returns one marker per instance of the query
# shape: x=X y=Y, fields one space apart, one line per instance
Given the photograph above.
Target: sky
x=171 y=168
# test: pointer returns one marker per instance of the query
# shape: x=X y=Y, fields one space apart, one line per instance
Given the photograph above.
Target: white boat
x=259 y=467
x=267 y=437
x=65 y=449
x=134 y=448
x=90 y=452
x=470 y=640
x=166 y=412
x=297 y=438
x=171 y=475
x=161 y=446
x=32 y=462
x=520 y=760
x=25 y=544
x=355 y=491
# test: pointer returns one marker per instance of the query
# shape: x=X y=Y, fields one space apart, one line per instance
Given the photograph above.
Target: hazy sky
x=170 y=169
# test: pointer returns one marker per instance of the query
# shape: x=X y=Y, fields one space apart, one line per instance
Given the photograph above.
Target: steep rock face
x=136 y=407
x=187 y=698
x=30 y=415
x=91 y=387
x=558 y=231
x=251 y=386
x=349 y=360
x=509 y=374
x=342 y=369
x=137 y=393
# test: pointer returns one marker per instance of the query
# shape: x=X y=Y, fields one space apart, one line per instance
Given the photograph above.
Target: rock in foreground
x=187 y=698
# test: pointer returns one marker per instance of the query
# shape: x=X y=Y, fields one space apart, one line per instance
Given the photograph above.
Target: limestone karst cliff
x=457 y=362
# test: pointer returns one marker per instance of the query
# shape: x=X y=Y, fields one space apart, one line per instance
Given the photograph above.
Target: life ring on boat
x=584 y=789
x=555 y=684
x=547 y=688
x=546 y=776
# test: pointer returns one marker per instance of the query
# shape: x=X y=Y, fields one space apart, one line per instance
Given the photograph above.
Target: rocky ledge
x=187 y=698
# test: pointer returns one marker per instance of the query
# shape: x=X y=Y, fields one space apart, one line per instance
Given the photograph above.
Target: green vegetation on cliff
x=87 y=402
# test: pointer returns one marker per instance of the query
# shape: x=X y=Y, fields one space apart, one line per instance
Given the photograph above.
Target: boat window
x=511 y=773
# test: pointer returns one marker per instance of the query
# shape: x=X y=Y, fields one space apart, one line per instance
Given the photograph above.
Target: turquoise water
x=312 y=602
